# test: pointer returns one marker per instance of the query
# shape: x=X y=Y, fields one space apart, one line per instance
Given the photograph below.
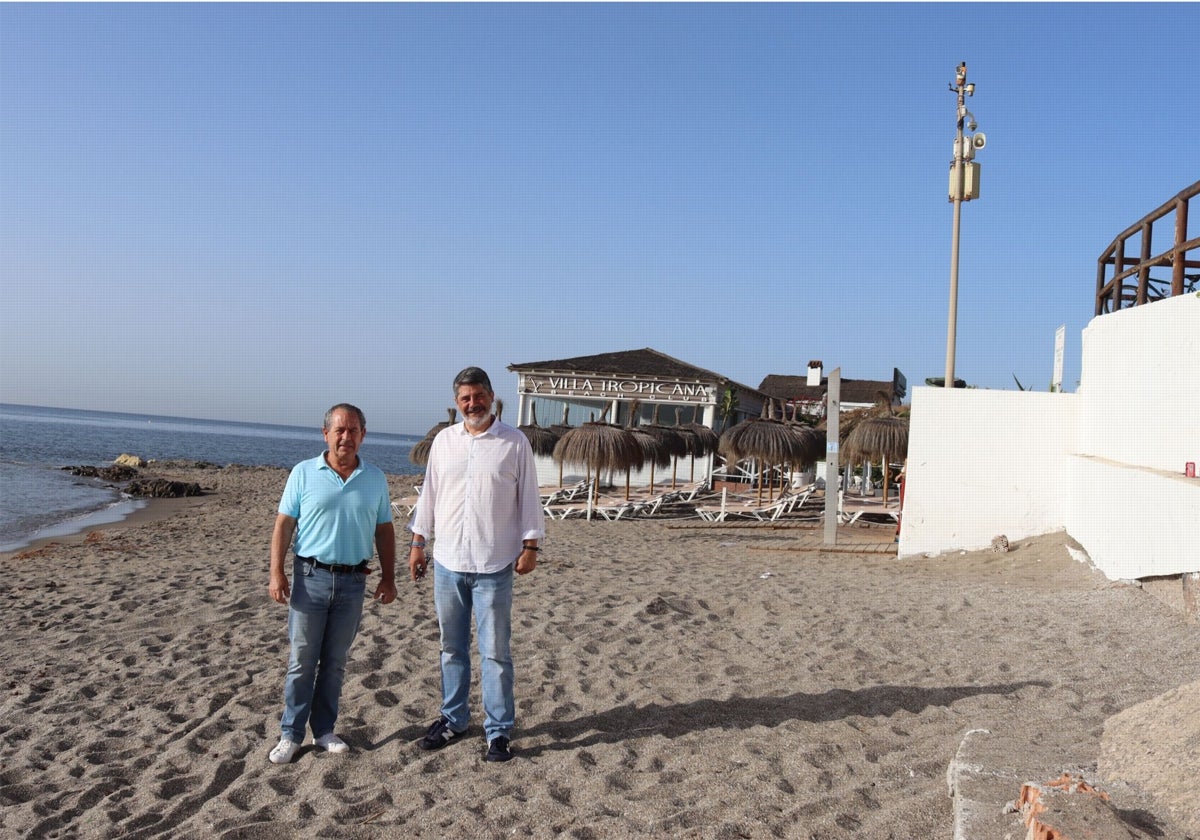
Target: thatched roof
x=644 y=362
x=541 y=439
x=768 y=440
x=599 y=446
x=885 y=438
x=653 y=451
x=790 y=388
x=419 y=454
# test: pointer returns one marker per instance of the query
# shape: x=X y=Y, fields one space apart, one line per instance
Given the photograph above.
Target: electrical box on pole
x=970 y=178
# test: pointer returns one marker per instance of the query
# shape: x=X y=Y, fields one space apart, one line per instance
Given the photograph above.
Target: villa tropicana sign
x=599 y=387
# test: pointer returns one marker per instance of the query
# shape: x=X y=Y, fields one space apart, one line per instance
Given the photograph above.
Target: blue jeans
x=456 y=595
x=323 y=618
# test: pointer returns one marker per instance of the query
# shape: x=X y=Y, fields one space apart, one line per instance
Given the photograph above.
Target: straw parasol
x=702 y=442
x=542 y=440
x=885 y=438
x=560 y=429
x=671 y=439
x=597 y=446
x=419 y=454
x=812 y=438
x=766 y=440
x=653 y=452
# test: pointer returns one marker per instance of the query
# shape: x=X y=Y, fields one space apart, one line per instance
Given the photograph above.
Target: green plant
x=727 y=407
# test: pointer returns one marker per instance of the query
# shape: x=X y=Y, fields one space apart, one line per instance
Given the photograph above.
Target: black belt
x=336 y=568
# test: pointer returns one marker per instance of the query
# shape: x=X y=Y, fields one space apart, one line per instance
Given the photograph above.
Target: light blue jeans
x=323 y=618
x=457 y=595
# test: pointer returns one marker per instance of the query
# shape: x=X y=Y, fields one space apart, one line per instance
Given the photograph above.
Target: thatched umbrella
x=673 y=442
x=598 y=446
x=766 y=440
x=419 y=454
x=653 y=453
x=885 y=438
x=812 y=438
x=560 y=429
x=542 y=440
x=702 y=440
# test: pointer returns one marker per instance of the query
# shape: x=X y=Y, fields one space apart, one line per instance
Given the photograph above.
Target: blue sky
x=250 y=212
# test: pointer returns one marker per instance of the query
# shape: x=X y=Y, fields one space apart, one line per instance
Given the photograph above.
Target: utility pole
x=964 y=186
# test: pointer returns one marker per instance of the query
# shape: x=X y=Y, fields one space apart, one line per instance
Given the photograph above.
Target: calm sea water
x=37 y=499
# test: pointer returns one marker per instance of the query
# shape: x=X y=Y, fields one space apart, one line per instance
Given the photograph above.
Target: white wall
x=1105 y=463
x=984 y=463
x=1141 y=385
x=1134 y=522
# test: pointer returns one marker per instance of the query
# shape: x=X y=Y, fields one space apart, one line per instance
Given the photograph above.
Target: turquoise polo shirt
x=336 y=519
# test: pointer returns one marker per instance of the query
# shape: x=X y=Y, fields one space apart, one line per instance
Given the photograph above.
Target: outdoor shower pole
x=833 y=487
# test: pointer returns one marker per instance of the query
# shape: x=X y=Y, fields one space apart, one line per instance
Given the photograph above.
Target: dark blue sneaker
x=498 y=749
x=439 y=735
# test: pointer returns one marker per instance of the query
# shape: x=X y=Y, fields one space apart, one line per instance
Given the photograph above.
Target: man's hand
x=417 y=562
x=385 y=592
x=281 y=541
x=279 y=588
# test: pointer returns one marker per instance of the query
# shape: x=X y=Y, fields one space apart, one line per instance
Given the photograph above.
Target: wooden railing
x=1130 y=283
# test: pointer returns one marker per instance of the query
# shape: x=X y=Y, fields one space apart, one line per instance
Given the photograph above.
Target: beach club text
x=575 y=386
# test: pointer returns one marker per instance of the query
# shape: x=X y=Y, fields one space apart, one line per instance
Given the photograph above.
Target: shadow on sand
x=628 y=721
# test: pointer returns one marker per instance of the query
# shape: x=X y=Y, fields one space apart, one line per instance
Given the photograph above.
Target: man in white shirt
x=480 y=502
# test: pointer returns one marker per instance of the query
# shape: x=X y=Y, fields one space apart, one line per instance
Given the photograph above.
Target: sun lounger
x=852 y=511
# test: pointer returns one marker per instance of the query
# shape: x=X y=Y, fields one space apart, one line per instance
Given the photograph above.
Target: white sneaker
x=332 y=743
x=284 y=751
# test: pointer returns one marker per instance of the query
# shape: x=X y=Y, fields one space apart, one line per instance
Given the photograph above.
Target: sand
x=673 y=680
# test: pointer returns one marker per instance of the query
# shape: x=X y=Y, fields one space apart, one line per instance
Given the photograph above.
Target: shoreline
x=150 y=510
x=156 y=509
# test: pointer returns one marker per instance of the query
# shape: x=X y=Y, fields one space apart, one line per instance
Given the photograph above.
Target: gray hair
x=362 y=418
x=472 y=376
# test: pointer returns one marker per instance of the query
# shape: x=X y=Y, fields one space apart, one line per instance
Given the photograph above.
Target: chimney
x=814 y=373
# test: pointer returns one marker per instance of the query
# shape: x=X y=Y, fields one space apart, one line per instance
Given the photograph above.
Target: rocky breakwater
x=125 y=471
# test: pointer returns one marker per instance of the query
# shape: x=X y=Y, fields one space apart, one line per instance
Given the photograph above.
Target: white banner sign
x=596 y=387
x=1060 y=343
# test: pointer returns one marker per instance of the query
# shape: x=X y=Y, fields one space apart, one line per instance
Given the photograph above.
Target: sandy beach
x=674 y=679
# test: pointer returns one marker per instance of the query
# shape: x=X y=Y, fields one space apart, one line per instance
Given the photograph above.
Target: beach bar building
x=665 y=391
x=808 y=392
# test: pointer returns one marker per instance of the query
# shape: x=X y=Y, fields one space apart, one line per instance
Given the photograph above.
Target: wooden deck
x=854 y=539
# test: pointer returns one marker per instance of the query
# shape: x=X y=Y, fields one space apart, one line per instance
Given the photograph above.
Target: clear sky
x=250 y=212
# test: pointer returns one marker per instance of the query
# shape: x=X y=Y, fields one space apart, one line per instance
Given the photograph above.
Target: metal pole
x=957 y=197
x=833 y=412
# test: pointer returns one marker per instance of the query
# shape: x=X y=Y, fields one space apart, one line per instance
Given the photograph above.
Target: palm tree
x=727 y=407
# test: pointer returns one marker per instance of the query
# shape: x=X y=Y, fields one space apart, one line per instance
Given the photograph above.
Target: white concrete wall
x=1105 y=464
x=1141 y=385
x=984 y=463
x=1134 y=522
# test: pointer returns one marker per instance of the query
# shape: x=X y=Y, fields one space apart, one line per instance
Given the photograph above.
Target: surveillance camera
x=972 y=125
x=979 y=140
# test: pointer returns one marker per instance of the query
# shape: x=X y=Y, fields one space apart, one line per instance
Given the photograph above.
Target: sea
x=39 y=500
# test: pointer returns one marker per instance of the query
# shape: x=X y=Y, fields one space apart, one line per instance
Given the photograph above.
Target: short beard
x=479 y=421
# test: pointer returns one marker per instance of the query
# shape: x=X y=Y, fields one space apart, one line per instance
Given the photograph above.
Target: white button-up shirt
x=480 y=498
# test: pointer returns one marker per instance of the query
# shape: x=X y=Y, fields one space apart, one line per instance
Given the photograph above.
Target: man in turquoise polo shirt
x=337 y=509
